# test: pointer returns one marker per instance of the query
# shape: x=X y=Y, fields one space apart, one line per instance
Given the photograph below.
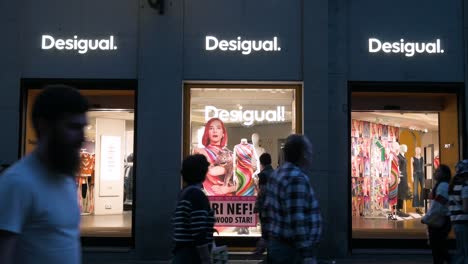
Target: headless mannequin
x=251 y=163
x=258 y=152
x=255 y=142
x=417 y=171
x=403 y=185
x=244 y=159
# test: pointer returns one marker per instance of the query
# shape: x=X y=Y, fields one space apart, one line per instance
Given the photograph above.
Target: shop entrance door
x=397 y=141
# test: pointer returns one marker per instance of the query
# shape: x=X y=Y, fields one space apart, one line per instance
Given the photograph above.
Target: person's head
x=194 y=169
x=443 y=173
x=265 y=160
x=297 y=150
x=215 y=133
x=59 y=117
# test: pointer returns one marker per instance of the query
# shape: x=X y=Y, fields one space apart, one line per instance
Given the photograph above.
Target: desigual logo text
x=246 y=47
x=409 y=49
x=80 y=45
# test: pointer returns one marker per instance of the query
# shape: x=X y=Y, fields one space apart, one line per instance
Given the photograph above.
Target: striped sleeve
x=194 y=220
x=464 y=192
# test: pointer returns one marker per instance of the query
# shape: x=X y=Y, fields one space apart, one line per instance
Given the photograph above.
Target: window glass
x=394 y=155
x=105 y=179
x=232 y=127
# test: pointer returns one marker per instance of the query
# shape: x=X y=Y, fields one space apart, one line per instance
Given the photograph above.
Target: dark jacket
x=263 y=177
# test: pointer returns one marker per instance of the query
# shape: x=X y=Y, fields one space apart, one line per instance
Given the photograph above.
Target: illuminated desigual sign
x=77 y=44
x=246 y=47
x=246 y=117
x=409 y=49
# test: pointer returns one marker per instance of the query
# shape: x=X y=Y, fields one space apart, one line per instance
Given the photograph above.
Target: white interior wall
x=432 y=137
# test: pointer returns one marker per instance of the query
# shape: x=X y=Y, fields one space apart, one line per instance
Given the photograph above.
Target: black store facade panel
x=177 y=63
x=93 y=48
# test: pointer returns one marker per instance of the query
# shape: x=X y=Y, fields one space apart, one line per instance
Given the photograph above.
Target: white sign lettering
x=81 y=45
x=246 y=47
x=110 y=158
x=247 y=117
x=407 y=48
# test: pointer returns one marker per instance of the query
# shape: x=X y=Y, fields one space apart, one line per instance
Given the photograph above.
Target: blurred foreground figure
x=40 y=217
x=291 y=211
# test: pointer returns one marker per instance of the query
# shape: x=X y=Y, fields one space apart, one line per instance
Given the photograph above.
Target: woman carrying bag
x=437 y=218
x=193 y=219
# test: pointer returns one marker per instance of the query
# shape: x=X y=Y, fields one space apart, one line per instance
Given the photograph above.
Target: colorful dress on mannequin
x=244 y=169
x=393 y=180
x=218 y=157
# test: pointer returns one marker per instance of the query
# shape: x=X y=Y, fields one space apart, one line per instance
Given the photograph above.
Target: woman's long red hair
x=206 y=137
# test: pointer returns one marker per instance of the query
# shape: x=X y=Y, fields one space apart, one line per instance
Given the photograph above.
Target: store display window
x=394 y=155
x=105 y=180
x=232 y=125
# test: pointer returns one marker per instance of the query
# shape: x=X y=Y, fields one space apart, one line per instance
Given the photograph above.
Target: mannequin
x=417 y=170
x=393 y=179
x=258 y=151
x=244 y=153
x=85 y=182
x=403 y=185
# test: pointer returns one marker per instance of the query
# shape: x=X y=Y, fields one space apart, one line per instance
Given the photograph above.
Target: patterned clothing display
x=292 y=212
x=393 y=181
x=218 y=157
x=371 y=166
x=244 y=169
x=87 y=162
x=85 y=183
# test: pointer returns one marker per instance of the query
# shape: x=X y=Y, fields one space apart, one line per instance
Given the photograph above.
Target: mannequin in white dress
x=258 y=152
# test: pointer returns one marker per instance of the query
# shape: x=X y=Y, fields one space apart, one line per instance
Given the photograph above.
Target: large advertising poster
x=230 y=174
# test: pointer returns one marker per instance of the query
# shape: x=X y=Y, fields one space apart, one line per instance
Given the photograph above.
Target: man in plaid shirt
x=294 y=222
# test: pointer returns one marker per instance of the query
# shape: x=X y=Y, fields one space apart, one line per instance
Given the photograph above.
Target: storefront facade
x=166 y=61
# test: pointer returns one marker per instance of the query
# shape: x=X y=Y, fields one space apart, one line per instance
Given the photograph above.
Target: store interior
x=395 y=149
x=105 y=180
